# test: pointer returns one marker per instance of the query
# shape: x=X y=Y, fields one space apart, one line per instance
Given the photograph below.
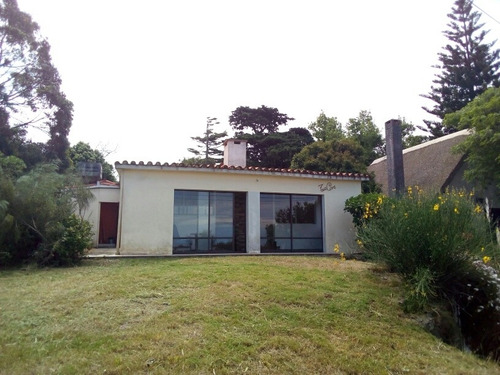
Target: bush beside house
x=444 y=248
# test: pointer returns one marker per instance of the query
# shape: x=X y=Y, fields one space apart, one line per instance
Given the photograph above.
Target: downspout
x=120 y=214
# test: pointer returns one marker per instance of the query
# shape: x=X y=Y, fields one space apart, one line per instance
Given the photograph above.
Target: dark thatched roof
x=430 y=165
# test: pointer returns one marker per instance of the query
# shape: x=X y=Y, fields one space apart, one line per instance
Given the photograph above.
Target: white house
x=169 y=209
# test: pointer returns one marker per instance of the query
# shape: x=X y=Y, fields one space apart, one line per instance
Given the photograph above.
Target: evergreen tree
x=468 y=67
x=262 y=120
x=276 y=150
x=209 y=145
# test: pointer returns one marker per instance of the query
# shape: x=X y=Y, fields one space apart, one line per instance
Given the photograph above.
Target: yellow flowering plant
x=365 y=207
x=443 y=246
x=445 y=231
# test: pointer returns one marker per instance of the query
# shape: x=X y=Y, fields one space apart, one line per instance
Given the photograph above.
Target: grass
x=223 y=315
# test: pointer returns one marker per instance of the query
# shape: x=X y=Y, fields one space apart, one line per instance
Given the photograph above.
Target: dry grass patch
x=224 y=315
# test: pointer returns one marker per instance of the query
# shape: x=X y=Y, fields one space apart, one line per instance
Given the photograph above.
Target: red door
x=108 y=224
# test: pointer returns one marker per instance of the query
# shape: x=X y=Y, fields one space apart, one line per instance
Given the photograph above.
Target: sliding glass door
x=209 y=221
x=290 y=223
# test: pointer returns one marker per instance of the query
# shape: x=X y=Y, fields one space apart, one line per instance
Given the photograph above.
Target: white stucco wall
x=93 y=212
x=147 y=193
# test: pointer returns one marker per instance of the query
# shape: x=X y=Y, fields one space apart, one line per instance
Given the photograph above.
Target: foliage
x=39 y=202
x=326 y=128
x=262 y=120
x=209 y=144
x=74 y=239
x=276 y=150
x=435 y=242
x=445 y=231
x=468 y=66
x=197 y=161
x=367 y=134
x=341 y=155
x=410 y=139
x=482 y=146
x=82 y=152
x=30 y=87
x=364 y=207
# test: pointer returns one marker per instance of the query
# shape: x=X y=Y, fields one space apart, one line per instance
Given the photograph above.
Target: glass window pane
x=188 y=213
x=221 y=214
x=279 y=244
x=222 y=244
x=308 y=244
x=183 y=244
x=306 y=216
x=274 y=209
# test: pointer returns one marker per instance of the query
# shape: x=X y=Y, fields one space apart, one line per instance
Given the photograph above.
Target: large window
x=209 y=221
x=290 y=223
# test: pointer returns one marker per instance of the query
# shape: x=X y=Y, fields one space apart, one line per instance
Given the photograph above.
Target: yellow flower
x=336 y=248
x=456 y=210
x=482 y=249
x=486 y=259
x=477 y=209
x=379 y=201
x=406 y=215
x=342 y=256
x=436 y=207
x=360 y=243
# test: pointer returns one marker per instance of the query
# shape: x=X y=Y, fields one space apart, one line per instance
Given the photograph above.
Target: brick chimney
x=394 y=150
x=235 y=152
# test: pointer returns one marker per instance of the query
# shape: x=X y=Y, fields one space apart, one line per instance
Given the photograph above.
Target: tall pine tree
x=468 y=66
x=208 y=149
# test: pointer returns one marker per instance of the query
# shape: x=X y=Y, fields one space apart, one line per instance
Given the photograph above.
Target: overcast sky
x=144 y=75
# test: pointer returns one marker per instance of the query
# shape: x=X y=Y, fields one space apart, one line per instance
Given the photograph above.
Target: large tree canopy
x=30 y=86
x=468 y=66
x=339 y=155
x=276 y=150
x=326 y=128
x=363 y=130
x=482 y=147
x=260 y=120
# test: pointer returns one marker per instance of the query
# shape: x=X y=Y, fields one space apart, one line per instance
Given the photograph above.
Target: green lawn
x=220 y=315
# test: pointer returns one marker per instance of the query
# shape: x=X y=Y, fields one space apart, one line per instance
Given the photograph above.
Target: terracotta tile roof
x=105 y=183
x=428 y=165
x=248 y=169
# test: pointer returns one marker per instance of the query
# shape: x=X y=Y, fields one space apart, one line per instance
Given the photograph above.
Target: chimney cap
x=235 y=140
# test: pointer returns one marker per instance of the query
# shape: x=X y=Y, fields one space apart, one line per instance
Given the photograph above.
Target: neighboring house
x=169 y=209
x=433 y=166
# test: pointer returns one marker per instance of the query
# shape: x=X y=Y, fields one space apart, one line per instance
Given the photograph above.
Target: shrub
x=35 y=206
x=74 y=237
x=364 y=207
x=436 y=241
x=444 y=232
